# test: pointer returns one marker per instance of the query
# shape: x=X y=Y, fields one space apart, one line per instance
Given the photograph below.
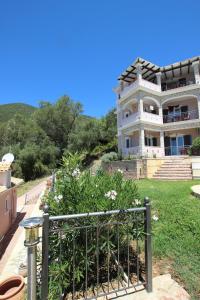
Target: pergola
x=149 y=70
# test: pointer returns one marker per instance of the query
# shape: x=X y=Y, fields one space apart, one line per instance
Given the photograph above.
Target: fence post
x=148 y=246
x=31 y=226
x=45 y=254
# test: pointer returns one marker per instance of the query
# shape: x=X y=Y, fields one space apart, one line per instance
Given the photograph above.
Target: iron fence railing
x=91 y=255
x=177 y=150
x=181 y=116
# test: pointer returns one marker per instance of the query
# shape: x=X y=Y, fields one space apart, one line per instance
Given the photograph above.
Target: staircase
x=174 y=169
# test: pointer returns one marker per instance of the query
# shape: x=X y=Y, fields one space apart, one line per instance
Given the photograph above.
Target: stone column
x=198 y=103
x=162 y=142
x=160 y=112
x=139 y=72
x=195 y=66
x=158 y=78
x=141 y=141
x=140 y=106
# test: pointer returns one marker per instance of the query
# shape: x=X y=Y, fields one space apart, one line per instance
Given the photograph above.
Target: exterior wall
x=8 y=208
x=195 y=166
x=130 y=168
x=193 y=132
x=5 y=178
x=191 y=103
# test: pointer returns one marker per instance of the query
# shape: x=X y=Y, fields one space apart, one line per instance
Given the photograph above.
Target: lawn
x=176 y=235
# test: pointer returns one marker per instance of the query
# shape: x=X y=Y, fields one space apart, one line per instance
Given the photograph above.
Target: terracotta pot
x=12 y=288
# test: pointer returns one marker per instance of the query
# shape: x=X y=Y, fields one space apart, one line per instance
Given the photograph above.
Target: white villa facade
x=158 y=108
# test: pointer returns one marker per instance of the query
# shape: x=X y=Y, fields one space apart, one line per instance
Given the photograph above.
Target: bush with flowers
x=77 y=191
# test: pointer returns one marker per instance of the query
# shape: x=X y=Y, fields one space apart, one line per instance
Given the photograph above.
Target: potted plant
x=12 y=288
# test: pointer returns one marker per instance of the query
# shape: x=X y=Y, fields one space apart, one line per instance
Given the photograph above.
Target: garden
x=99 y=253
x=175 y=222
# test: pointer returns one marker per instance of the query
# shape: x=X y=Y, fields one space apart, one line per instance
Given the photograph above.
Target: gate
x=91 y=255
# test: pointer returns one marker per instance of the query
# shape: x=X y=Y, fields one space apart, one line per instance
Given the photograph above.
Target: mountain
x=7 y=111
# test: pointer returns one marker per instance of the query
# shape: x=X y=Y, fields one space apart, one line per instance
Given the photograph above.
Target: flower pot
x=12 y=288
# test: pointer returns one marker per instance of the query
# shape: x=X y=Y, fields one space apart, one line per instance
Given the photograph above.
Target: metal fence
x=90 y=255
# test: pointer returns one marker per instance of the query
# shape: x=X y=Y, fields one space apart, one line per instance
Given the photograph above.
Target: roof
x=149 y=69
x=4 y=166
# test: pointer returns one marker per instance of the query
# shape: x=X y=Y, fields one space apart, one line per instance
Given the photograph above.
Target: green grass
x=27 y=186
x=176 y=235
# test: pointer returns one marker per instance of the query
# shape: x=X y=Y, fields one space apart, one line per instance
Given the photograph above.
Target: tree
x=58 y=120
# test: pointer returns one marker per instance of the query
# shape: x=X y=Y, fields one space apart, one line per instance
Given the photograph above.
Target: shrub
x=195 y=148
x=77 y=192
x=109 y=157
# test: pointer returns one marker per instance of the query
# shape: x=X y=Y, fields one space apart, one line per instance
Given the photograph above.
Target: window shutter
x=187 y=140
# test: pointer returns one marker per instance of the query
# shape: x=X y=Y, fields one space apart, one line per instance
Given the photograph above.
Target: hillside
x=7 y=111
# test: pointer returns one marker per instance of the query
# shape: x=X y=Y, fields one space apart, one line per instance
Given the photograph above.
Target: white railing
x=131 y=118
x=142 y=83
x=131 y=151
x=150 y=85
x=151 y=151
x=151 y=118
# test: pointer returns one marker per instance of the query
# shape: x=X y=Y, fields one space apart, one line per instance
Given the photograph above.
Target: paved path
x=164 y=288
x=12 y=250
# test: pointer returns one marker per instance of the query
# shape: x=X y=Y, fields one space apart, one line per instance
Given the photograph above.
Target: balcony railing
x=142 y=83
x=177 y=150
x=154 y=118
x=131 y=118
x=175 y=85
x=182 y=116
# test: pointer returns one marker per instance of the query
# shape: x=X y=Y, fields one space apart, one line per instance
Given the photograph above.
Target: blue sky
x=79 y=47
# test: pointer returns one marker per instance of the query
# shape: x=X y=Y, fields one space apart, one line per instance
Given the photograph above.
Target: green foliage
x=58 y=120
x=109 y=157
x=195 y=148
x=176 y=238
x=7 y=111
x=77 y=192
x=38 y=140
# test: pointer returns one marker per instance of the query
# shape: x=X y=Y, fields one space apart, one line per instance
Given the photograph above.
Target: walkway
x=164 y=288
x=12 y=250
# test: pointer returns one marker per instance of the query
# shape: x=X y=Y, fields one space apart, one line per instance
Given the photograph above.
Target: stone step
x=175 y=166
x=172 y=178
x=178 y=176
x=173 y=172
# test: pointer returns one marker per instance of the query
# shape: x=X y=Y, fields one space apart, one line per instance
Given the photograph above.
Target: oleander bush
x=195 y=148
x=77 y=191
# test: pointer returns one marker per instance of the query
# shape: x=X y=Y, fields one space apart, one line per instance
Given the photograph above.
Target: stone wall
x=131 y=168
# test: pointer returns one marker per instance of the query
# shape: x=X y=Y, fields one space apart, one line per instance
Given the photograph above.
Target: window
x=127 y=143
x=151 y=141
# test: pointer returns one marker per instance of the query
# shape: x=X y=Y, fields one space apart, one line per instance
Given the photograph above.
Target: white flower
x=155 y=218
x=137 y=202
x=76 y=173
x=111 y=195
x=120 y=171
x=58 y=198
x=96 y=185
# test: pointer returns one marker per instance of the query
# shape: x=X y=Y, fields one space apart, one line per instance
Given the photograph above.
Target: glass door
x=173 y=146
x=180 y=143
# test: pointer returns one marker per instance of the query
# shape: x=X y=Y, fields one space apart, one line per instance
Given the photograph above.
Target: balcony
x=149 y=117
x=181 y=116
x=130 y=119
x=176 y=84
x=139 y=83
x=145 y=116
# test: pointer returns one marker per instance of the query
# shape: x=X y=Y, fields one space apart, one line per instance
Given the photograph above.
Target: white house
x=158 y=108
